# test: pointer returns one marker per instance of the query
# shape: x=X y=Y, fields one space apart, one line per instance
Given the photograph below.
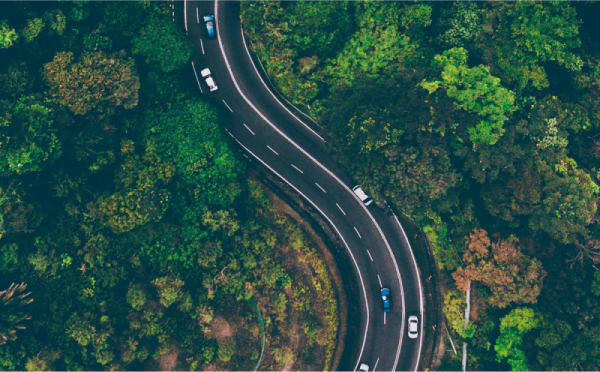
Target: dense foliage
x=125 y=210
x=479 y=121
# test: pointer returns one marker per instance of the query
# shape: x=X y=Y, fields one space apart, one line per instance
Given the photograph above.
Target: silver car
x=362 y=195
x=413 y=326
x=212 y=86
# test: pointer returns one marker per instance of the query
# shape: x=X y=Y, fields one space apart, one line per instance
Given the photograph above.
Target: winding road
x=274 y=136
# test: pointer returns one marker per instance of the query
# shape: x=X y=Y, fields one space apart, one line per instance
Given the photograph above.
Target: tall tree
x=474 y=90
x=509 y=344
x=511 y=276
x=27 y=138
x=160 y=37
x=98 y=82
x=518 y=38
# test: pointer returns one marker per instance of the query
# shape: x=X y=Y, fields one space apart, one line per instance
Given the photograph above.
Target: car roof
x=359 y=191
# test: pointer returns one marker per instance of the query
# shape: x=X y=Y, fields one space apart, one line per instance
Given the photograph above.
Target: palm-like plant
x=12 y=315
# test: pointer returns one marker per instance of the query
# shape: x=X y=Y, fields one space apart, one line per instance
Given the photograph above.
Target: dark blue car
x=386 y=300
x=209 y=21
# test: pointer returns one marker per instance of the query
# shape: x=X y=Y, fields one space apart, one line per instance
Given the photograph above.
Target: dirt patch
x=169 y=361
x=220 y=329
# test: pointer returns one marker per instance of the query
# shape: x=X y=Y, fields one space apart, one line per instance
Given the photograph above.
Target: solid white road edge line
x=340 y=208
x=322 y=189
x=421 y=305
x=362 y=283
x=298 y=169
x=326 y=170
x=199 y=86
x=357 y=232
x=281 y=104
x=185 y=14
x=227 y=105
x=371 y=257
x=249 y=129
x=275 y=152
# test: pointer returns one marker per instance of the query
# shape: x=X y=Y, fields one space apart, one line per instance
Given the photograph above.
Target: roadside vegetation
x=140 y=241
x=480 y=122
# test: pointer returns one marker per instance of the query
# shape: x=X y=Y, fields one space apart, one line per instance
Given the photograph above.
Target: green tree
x=98 y=82
x=226 y=350
x=7 y=35
x=518 y=38
x=141 y=196
x=454 y=308
x=16 y=80
x=318 y=27
x=136 y=296
x=475 y=90
x=188 y=134
x=567 y=202
x=169 y=289
x=33 y=29
x=27 y=135
x=12 y=314
x=553 y=333
x=161 y=37
x=510 y=342
x=379 y=48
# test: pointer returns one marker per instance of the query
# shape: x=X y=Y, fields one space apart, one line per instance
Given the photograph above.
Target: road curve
x=272 y=135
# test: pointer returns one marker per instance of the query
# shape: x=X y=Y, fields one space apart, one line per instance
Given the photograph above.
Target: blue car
x=386 y=300
x=209 y=21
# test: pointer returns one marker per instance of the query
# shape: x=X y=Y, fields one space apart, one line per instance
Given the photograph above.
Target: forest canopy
x=478 y=120
x=130 y=232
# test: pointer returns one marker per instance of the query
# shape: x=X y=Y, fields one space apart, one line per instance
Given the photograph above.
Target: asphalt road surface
x=277 y=138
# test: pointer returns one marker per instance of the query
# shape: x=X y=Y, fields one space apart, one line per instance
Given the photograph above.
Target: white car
x=413 y=326
x=364 y=367
x=361 y=195
x=209 y=79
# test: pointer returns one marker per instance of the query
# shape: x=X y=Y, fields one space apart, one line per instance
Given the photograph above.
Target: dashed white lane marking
x=340 y=208
x=322 y=189
x=384 y=318
x=358 y=234
x=199 y=86
x=371 y=257
x=360 y=277
x=272 y=150
x=374 y=368
x=249 y=129
x=227 y=106
x=298 y=169
x=197 y=15
x=379 y=281
x=202 y=46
